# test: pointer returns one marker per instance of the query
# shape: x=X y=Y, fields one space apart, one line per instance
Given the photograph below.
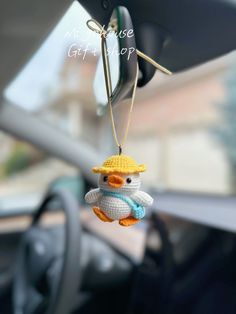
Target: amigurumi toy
x=117 y=196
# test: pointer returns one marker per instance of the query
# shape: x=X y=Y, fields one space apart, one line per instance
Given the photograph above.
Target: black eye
x=105 y=178
x=128 y=180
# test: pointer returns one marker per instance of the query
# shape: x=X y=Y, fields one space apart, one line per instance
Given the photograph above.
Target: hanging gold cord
x=97 y=27
x=107 y=75
x=153 y=62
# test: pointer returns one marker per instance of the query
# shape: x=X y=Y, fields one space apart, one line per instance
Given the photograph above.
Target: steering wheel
x=47 y=273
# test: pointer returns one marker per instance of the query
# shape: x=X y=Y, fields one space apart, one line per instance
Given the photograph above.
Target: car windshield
x=182 y=127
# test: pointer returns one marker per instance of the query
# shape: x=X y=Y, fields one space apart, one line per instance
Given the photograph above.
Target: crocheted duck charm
x=117 y=196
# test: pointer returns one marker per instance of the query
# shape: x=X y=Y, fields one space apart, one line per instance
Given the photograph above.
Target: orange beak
x=115 y=181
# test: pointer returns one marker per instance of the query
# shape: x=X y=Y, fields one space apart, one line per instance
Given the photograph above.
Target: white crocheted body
x=114 y=208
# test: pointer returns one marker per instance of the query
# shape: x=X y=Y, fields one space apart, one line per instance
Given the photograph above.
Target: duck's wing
x=93 y=196
x=142 y=198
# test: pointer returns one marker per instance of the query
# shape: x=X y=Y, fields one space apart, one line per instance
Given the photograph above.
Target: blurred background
x=182 y=126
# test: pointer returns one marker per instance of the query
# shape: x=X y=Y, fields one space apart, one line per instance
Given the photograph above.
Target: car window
x=182 y=127
x=39 y=88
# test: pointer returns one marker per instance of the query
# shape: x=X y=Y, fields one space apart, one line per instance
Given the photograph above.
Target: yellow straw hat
x=119 y=163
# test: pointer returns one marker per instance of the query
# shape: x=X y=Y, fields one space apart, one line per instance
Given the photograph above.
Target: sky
x=38 y=80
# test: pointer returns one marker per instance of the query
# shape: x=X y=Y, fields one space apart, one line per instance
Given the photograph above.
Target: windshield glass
x=182 y=126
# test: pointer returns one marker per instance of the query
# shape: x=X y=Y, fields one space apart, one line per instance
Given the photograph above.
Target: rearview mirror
x=122 y=57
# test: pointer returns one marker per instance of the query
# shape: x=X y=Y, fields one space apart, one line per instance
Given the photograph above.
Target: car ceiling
x=25 y=24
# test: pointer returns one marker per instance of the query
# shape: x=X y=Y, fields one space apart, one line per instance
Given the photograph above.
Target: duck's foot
x=129 y=221
x=100 y=214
